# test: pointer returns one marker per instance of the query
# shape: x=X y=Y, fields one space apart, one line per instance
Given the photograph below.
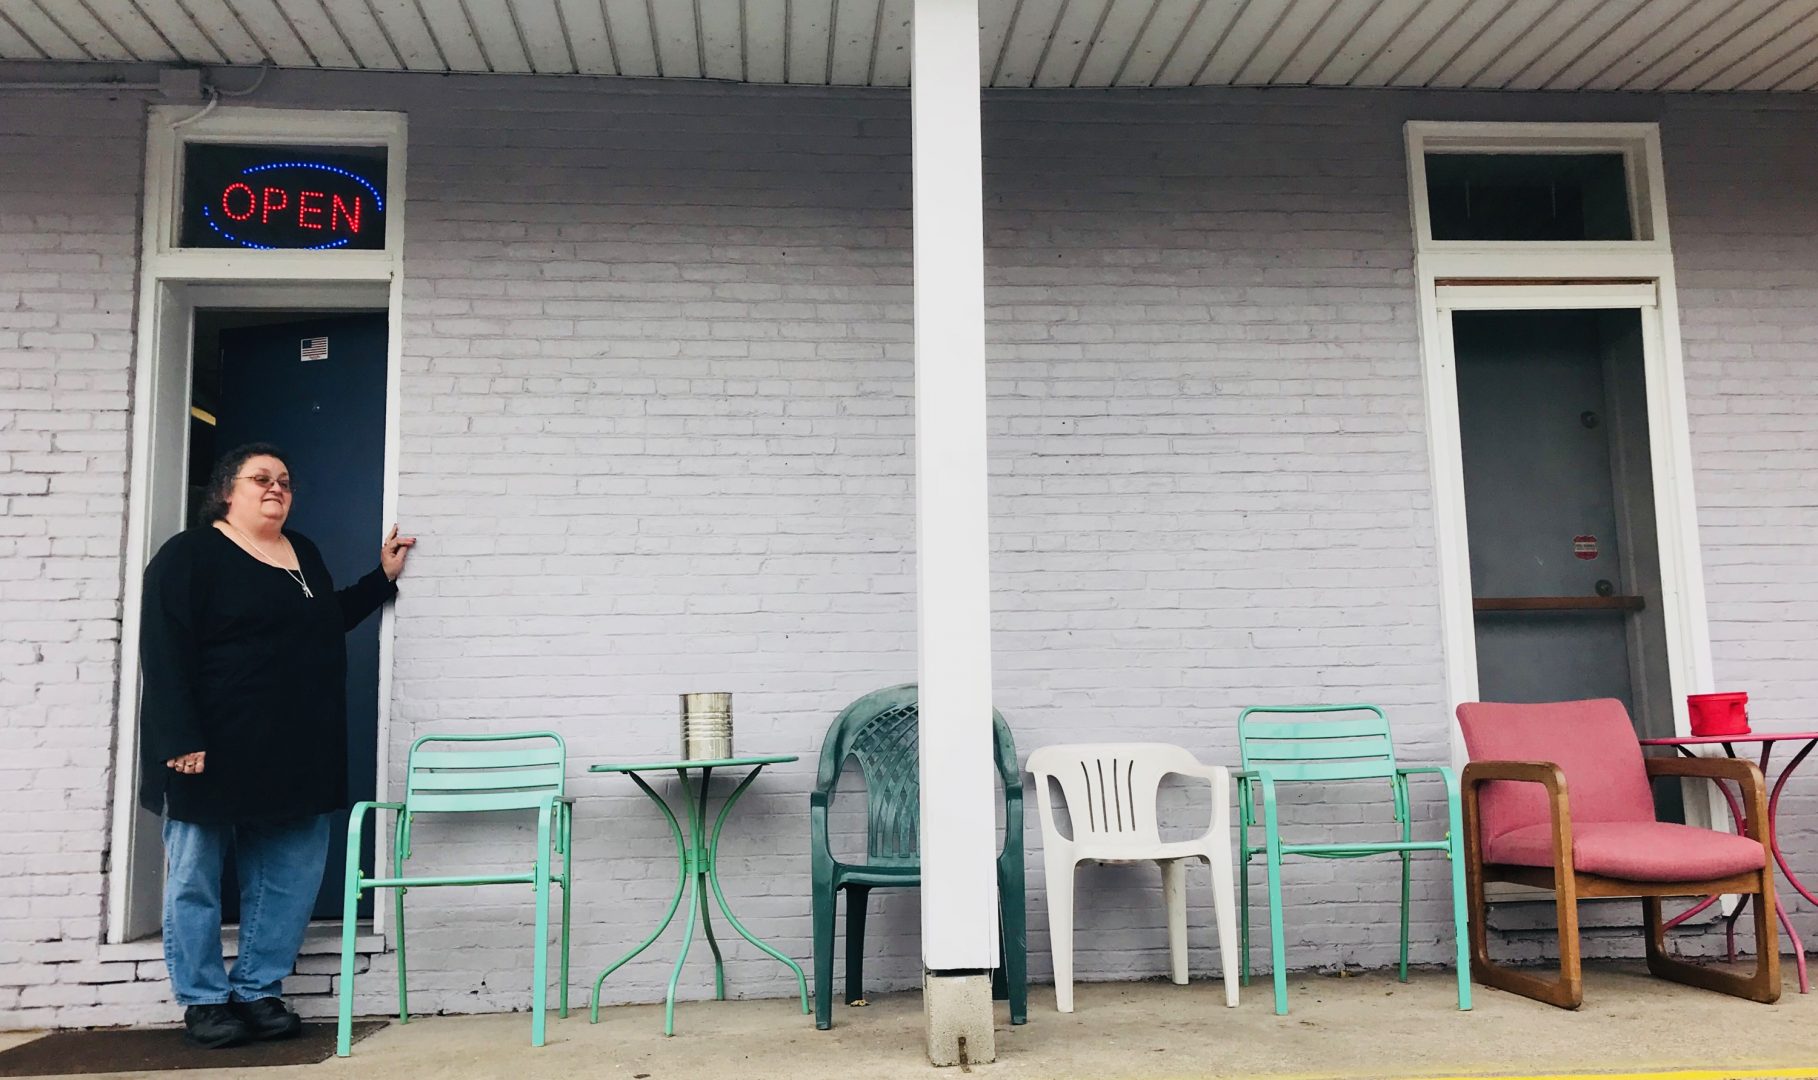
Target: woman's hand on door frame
x=393 y=553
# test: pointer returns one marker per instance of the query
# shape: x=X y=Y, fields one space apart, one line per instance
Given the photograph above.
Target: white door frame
x=172 y=282
x=1459 y=276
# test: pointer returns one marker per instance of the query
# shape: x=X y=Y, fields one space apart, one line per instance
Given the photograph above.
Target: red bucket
x=1719 y=714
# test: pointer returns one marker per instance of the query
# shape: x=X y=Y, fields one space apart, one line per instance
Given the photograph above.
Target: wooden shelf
x=1615 y=604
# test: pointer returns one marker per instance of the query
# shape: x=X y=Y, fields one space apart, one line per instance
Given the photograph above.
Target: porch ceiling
x=1635 y=45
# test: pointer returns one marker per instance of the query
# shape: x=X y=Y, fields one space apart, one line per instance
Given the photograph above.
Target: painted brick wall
x=656 y=431
x=70 y=171
x=1748 y=282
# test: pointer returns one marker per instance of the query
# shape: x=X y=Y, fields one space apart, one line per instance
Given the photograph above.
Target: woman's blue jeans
x=280 y=866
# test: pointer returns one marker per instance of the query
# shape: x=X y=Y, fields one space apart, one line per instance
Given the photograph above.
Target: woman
x=243 y=740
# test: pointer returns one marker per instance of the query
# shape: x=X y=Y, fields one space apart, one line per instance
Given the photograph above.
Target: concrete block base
x=958 y=1014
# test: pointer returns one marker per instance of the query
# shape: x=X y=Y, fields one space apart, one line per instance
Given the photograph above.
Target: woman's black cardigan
x=237 y=662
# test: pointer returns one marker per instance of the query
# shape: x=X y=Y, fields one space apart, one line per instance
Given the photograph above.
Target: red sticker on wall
x=1585 y=547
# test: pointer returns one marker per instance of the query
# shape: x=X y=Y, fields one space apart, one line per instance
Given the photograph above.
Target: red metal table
x=1767 y=740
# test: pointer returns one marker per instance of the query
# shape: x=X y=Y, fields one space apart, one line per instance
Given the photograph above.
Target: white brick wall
x=1748 y=282
x=69 y=205
x=657 y=411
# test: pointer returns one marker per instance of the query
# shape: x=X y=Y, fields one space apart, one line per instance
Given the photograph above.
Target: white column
x=958 y=831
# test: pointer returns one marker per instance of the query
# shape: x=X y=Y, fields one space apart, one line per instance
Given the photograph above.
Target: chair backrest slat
x=422 y=802
x=494 y=772
x=1316 y=729
x=487 y=759
x=1314 y=749
x=545 y=776
x=1329 y=770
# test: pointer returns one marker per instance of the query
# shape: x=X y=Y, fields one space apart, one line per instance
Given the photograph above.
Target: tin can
x=706 y=727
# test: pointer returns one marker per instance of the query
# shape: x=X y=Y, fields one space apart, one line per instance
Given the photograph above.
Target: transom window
x=1528 y=197
x=1482 y=186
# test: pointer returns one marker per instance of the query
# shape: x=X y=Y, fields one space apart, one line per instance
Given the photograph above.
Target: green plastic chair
x=879 y=730
x=523 y=771
x=1324 y=751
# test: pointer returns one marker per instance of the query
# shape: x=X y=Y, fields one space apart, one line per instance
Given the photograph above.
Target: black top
x=237 y=662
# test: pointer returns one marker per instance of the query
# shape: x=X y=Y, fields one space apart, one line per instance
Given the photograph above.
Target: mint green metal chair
x=1277 y=752
x=523 y=771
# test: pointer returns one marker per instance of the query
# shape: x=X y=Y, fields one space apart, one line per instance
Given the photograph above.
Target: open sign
x=264 y=197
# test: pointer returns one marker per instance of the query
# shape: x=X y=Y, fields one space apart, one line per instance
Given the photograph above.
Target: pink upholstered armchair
x=1557 y=796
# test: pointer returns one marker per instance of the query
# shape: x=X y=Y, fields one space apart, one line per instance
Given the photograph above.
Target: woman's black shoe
x=267 y=1018
x=213 y=1026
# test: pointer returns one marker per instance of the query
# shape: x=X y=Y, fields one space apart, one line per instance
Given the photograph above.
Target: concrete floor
x=10 y=1039
x=1361 y=1027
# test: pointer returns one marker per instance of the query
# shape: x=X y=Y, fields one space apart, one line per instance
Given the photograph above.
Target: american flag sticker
x=315 y=348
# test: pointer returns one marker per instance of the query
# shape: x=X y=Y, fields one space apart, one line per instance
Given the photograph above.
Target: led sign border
x=378 y=199
x=361 y=180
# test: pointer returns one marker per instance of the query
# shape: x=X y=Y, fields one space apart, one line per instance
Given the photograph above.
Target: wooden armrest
x=1559 y=815
x=1746 y=774
x=1544 y=773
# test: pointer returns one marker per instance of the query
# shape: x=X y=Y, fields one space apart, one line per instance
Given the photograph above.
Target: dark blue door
x=317 y=390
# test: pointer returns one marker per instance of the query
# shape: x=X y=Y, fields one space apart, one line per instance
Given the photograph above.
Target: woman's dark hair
x=226 y=471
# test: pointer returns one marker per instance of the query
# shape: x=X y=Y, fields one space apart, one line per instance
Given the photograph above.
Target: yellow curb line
x=1751 y=1073
x=1787 y=1073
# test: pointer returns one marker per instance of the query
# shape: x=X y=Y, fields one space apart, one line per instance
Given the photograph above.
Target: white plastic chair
x=1111 y=791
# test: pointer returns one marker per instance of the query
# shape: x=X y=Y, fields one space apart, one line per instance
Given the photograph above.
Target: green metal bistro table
x=697 y=853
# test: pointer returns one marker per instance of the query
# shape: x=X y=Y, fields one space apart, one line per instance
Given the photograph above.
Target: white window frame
x=173 y=281
x=1453 y=275
x=1638 y=144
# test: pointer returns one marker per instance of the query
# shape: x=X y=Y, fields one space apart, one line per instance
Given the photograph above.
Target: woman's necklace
x=295 y=575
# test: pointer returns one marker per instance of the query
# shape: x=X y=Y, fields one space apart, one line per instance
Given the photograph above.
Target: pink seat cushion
x=1591 y=741
x=1635 y=850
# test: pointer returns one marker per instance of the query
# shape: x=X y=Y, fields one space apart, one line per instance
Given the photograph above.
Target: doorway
x=1560 y=514
x=175 y=282
x=314 y=384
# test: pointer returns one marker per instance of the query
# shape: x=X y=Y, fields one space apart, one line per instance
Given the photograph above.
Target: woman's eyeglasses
x=283 y=482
